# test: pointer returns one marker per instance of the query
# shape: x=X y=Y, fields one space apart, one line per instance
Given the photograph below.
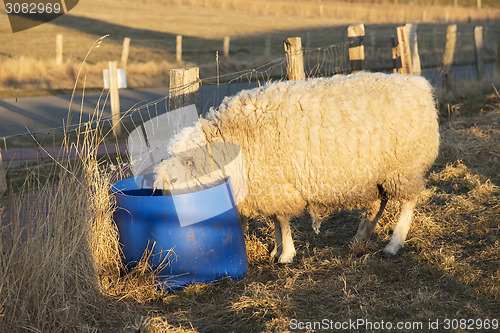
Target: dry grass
x=468 y=98
x=31 y=74
x=359 y=11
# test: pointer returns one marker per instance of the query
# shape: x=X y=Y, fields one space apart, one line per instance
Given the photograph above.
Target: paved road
x=45 y=112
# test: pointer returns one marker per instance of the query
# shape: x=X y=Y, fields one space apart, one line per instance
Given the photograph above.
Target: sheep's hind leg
x=276 y=252
x=284 y=249
x=366 y=227
x=401 y=229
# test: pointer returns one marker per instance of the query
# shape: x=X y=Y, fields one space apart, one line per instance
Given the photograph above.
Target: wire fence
x=23 y=151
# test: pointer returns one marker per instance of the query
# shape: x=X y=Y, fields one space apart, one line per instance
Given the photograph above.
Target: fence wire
x=318 y=61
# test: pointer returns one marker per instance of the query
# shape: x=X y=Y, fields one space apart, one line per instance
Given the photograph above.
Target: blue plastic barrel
x=199 y=234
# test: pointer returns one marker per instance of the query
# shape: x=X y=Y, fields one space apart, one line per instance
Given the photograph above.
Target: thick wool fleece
x=326 y=143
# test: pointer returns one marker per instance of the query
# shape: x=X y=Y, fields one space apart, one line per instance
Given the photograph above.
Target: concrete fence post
x=267 y=46
x=227 y=40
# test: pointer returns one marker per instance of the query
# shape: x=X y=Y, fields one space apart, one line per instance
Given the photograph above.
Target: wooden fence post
x=478 y=41
x=294 y=59
x=404 y=46
x=3 y=176
x=59 y=49
x=449 y=51
x=115 y=98
x=178 y=49
x=226 y=46
x=125 y=52
x=411 y=30
x=184 y=88
x=355 y=36
x=401 y=52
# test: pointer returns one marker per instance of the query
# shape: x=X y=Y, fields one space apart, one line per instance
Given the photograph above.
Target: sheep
x=319 y=145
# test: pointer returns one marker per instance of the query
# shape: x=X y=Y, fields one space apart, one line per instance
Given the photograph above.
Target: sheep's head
x=189 y=170
x=202 y=167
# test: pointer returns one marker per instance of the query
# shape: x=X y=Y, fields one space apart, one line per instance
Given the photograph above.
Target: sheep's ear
x=209 y=130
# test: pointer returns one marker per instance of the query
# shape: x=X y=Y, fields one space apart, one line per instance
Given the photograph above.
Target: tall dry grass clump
x=47 y=271
x=60 y=260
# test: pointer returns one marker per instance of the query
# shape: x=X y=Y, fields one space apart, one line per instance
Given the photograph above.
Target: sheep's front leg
x=283 y=250
x=401 y=229
x=366 y=227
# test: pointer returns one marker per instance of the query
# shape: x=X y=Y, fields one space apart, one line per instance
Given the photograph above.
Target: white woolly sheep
x=322 y=144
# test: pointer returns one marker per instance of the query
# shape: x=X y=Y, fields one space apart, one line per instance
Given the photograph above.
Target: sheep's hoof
x=358 y=239
x=361 y=235
x=280 y=257
x=391 y=250
x=286 y=258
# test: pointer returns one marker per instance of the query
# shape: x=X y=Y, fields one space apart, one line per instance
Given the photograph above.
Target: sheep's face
x=192 y=169
x=203 y=167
